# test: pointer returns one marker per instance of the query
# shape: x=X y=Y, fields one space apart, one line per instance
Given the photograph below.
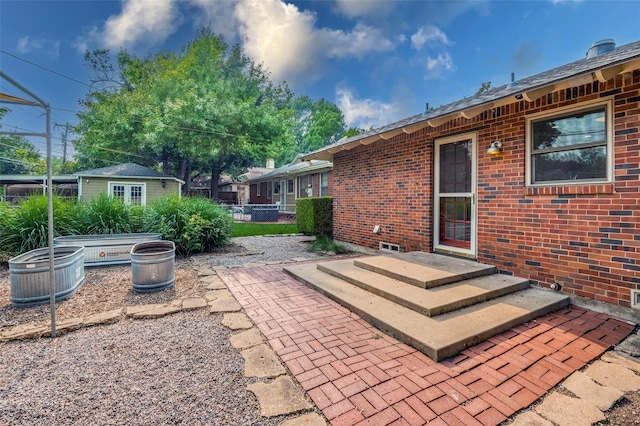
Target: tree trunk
x=165 y=162
x=216 y=170
x=185 y=173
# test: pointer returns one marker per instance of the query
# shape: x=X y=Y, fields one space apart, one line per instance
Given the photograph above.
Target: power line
x=45 y=68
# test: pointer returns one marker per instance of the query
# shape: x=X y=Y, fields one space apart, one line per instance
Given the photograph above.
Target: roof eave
x=530 y=94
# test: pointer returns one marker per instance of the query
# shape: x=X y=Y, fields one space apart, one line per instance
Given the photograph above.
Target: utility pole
x=64 y=140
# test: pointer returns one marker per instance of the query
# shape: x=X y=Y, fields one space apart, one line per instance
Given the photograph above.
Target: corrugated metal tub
x=153 y=265
x=106 y=249
x=29 y=274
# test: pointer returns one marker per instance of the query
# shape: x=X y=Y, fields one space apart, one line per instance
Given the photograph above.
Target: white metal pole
x=52 y=275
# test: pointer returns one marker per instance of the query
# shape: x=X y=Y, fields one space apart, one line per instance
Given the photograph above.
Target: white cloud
x=366 y=113
x=430 y=35
x=279 y=35
x=358 y=42
x=435 y=67
x=287 y=41
x=140 y=22
x=219 y=15
x=28 y=44
x=356 y=8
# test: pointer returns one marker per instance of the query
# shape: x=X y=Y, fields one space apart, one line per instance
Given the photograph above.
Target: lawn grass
x=249 y=229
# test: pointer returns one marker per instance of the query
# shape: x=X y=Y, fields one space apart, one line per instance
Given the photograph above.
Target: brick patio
x=357 y=375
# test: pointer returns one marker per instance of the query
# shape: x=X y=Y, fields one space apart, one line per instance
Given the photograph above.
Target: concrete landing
x=442 y=336
x=430 y=301
x=424 y=270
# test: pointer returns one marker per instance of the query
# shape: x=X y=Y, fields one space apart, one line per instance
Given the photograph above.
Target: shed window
x=571 y=147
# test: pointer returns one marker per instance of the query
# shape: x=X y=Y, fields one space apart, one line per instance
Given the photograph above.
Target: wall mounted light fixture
x=495 y=148
x=164 y=183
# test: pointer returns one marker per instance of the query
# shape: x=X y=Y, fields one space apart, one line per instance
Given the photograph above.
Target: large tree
x=18 y=155
x=207 y=109
x=317 y=124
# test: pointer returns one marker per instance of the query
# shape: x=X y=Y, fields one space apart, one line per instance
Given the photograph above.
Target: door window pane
x=455 y=167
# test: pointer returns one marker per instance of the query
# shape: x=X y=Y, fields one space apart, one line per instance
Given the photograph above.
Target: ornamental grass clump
x=25 y=228
x=107 y=215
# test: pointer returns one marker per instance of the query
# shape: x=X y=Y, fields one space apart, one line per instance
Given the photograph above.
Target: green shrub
x=106 y=215
x=314 y=215
x=193 y=224
x=26 y=227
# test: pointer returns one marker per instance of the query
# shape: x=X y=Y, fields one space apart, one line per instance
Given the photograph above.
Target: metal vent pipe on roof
x=602 y=46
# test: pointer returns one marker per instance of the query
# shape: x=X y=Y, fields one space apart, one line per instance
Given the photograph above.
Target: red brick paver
x=358 y=376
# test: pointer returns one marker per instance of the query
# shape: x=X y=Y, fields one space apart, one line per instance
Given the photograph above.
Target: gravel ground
x=108 y=288
x=179 y=369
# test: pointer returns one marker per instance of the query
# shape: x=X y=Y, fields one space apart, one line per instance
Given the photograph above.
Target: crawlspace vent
x=392 y=248
x=635 y=299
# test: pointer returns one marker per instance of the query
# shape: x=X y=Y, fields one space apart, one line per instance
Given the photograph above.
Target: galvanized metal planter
x=153 y=265
x=106 y=249
x=29 y=273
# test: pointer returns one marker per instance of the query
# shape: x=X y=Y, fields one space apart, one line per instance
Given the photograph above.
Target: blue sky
x=378 y=60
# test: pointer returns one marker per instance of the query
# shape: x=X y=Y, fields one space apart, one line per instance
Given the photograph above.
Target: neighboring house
x=132 y=183
x=19 y=187
x=540 y=177
x=298 y=179
x=231 y=190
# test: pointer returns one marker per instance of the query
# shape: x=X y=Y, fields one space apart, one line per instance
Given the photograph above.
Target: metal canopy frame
x=37 y=102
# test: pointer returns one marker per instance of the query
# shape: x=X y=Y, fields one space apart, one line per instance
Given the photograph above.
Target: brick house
x=298 y=179
x=540 y=177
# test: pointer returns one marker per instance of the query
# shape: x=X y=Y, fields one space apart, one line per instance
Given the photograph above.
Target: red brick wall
x=586 y=237
x=254 y=198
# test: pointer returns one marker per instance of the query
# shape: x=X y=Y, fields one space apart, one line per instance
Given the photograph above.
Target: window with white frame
x=269 y=189
x=573 y=146
x=276 y=188
x=129 y=193
x=302 y=186
x=290 y=188
x=258 y=189
x=324 y=184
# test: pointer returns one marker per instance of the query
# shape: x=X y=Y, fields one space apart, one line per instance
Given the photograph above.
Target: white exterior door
x=455 y=224
x=128 y=193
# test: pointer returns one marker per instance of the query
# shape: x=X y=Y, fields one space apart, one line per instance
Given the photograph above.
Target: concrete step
x=444 y=335
x=430 y=301
x=424 y=270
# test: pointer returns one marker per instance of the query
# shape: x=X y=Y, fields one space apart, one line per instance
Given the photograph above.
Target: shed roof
x=127 y=170
x=601 y=68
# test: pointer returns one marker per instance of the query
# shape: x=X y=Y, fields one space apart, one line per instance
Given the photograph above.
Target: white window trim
x=294 y=186
x=563 y=111
x=322 y=187
x=276 y=185
x=258 y=189
x=143 y=201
